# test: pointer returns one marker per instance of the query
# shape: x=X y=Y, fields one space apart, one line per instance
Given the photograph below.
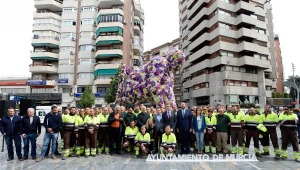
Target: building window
x=64 y=75
x=68 y=22
x=66 y=49
x=226 y=53
x=87 y=34
x=89 y=9
x=47 y=21
x=68 y=35
x=80 y=89
x=260 y=56
x=102 y=89
x=111 y=18
x=136 y=62
x=85 y=75
x=87 y=21
x=226 y=26
x=69 y=10
x=87 y=47
x=67 y=90
x=66 y=62
x=223 y=12
x=86 y=61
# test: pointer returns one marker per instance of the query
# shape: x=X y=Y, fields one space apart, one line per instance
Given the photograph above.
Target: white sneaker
x=39 y=159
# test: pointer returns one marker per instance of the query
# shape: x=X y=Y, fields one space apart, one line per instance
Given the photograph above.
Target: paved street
x=128 y=162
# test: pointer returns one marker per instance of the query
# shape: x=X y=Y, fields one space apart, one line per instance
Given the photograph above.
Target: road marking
x=253 y=165
x=127 y=161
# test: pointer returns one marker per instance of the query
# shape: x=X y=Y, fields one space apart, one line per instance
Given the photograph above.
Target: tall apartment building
x=280 y=72
x=230 y=51
x=162 y=50
x=79 y=43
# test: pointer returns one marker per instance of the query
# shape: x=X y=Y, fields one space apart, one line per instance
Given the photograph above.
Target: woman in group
x=199 y=128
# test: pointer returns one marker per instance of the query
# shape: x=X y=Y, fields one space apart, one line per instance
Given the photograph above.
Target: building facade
x=80 y=43
x=162 y=50
x=280 y=72
x=230 y=51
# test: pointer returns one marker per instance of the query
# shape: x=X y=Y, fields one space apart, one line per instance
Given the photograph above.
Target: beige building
x=230 y=51
x=162 y=50
x=79 y=43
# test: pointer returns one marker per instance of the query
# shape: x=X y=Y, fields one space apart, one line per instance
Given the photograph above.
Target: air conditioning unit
x=93 y=49
x=56 y=38
x=125 y=22
x=72 y=52
x=94 y=37
x=73 y=38
x=95 y=24
x=35 y=36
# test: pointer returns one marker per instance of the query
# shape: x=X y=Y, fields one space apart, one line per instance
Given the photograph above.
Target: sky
x=161 y=26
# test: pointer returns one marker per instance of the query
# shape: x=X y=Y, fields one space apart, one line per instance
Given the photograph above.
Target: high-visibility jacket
x=68 y=121
x=252 y=121
x=169 y=140
x=142 y=139
x=236 y=120
x=91 y=122
x=79 y=123
x=242 y=113
x=211 y=122
x=288 y=121
x=130 y=133
x=103 y=119
x=270 y=120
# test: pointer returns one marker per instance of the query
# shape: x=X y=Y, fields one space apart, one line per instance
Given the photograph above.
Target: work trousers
x=90 y=142
x=252 y=134
x=236 y=135
x=210 y=138
x=222 y=139
x=271 y=131
x=103 y=137
x=80 y=142
x=115 y=137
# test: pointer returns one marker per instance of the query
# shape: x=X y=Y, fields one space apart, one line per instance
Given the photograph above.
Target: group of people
x=143 y=130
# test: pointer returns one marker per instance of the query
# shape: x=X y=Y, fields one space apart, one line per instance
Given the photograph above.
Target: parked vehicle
x=41 y=111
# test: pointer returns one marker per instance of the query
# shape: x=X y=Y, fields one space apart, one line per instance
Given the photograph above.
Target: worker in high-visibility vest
x=253 y=124
x=168 y=144
x=288 y=126
x=91 y=123
x=142 y=142
x=130 y=134
x=236 y=134
x=270 y=121
x=103 y=134
x=68 y=121
x=211 y=135
x=80 y=131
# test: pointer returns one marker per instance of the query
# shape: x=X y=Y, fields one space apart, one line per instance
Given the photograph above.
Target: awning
x=100 y=30
x=45 y=45
x=102 y=56
x=108 y=42
x=100 y=72
x=44 y=58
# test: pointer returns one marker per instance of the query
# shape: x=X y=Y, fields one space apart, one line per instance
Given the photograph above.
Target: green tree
x=297 y=80
x=88 y=98
x=112 y=91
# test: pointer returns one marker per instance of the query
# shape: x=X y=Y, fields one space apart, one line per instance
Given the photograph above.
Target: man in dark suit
x=31 y=129
x=169 y=118
x=184 y=127
x=158 y=129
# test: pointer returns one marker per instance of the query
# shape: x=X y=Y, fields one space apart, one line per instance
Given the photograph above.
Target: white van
x=41 y=112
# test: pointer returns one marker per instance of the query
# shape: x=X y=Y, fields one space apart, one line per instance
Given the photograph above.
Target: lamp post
x=293 y=67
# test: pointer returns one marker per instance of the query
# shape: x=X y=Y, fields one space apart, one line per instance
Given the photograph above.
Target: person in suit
x=169 y=118
x=184 y=127
x=158 y=129
x=31 y=129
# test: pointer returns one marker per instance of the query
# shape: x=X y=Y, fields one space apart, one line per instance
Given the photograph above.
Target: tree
x=88 y=98
x=112 y=91
x=297 y=80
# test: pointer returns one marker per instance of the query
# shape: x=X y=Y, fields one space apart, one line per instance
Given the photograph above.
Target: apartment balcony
x=46 y=15
x=41 y=41
x=200 y=79
x=137 y=50
x=244 y=32
x=86 y=68
x=251 y=61
x=86 y=81
x=38 y=56
x=187 y=84
x=70 y=28
x=42 y=83
x=246 y=20
x=105 y=4
x=86 y=40
x=137 y=29
x=86 y=54
x=45 y=27
x=43 y=68
x=111 y=53
x=88 y=14
x=201 y=92
x=102 y=81
x=109 y=40
x=185 y=75
x=89 y=3
x=66 y=69
x=53 y=5
x=109 y=11
x=110 y=67
x=138 y=10
x=108 y=27
x=247 y=46
x=270 y=82
x=245 y=7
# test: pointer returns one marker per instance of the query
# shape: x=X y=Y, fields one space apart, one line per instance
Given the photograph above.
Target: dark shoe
x=258 y=155
x=283 y=158
x=33 y=158
x=57 y=153
x=277 y=157
x=111 y=153
x=10 y=159
x=21 y=159
x=93 y=155
x=86 y=156
x=119 y=153
x=25 y=158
